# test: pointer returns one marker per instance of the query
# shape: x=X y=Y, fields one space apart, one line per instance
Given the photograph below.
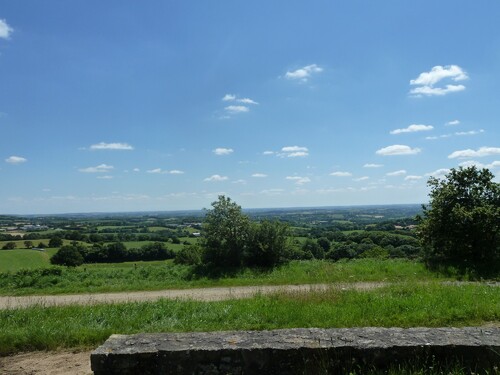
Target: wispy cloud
x=303 y=74
x=341 y=174
x=111 y=146
x=413 y=178
x=215 y=178
x=5 y=30
x=401 y=172
x=293 y=152
x=370 y=165
x=16 y=160
x=241 y=105
x=469 y=163
x=162 y=171
x=259 y=175
x=452 y=123
x=397 y=150
x=481 y=152
x=107 y=177
x=471 y=132
x=234 y=98
x=438 y=173
x=268 y=153
x=412 y=129
x=220 y=151
x=364 y=178
x=426 y=81
x=235 y=109
x=299 y=180
x=102 y=168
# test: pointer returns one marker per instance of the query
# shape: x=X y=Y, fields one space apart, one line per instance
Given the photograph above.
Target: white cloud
x=234 y=98
x=481 y=152
x=438 y=73
x=398 y=150
x=373 y=166
x=469 y=163
x=471 y=132
x=412 y=129
x=234 y=109
x=222 y=151
x=425 y=81
x=294 y=151
x=299 y=180
x=161 y=171
x=102 y=168
x=440 y=91
x=107 y=177
x=364 y=178
x=452 y=123
x=304 y=73
x=438 y=137
x=136 y=170
x=413 y=178
x=111 y=146
x=240 y=182
x=228 y=98
x=341 y=174
x=16 y=160
x=215 y=178
x=396 y=173
x=259 y=175
x=272 y=191
x=5 y=30
x=439 y=172
x=268 y=153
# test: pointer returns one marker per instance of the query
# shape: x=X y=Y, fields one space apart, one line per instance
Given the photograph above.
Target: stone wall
x=295 y=351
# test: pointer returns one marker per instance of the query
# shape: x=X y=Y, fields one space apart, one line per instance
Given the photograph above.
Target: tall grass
x=164 y=275
x=408 y=305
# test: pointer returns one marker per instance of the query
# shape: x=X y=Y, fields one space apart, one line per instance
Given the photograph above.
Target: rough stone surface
x=294 y=351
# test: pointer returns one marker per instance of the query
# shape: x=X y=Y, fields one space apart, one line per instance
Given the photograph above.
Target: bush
x=190 y=255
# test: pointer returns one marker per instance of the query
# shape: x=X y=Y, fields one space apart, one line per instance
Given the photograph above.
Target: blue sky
x=163 y=105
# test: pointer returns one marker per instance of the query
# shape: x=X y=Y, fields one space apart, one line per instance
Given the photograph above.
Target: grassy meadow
x=106 y=277
x=404 y=305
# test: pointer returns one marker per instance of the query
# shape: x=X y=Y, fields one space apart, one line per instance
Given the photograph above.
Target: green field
x=14 y=260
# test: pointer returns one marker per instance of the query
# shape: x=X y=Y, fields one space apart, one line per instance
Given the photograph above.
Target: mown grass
x=403 y=305
x=14 y=260
x=165 y=275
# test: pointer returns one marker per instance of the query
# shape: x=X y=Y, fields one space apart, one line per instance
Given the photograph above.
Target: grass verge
x=166 y=275
x=405 y=305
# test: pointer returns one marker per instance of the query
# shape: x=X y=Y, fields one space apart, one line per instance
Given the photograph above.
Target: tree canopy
x=460 y=226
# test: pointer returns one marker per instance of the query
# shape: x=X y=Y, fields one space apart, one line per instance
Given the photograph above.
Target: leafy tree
x=28 y=244
x=312 y=249
x=226 y=231
x=67 y=256
x=324 y=243
x=461 y=224
x=9 y=246
x=55 y=242
x=268 y=244
x=190 y=254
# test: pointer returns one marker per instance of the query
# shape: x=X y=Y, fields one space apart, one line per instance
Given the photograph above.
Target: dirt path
x=47 y=363
x=200 y=294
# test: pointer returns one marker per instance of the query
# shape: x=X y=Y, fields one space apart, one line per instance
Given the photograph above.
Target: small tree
x=55 y=242
x=225 y=230
x=461 y=224
x=67 y=256
x=28 y=244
